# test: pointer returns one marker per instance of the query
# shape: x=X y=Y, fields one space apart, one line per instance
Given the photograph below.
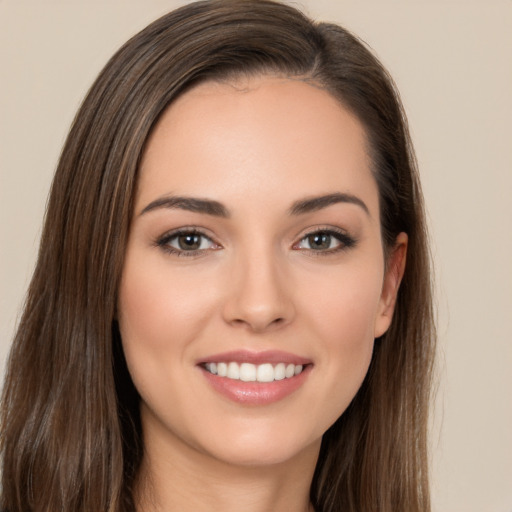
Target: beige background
x=452 y=60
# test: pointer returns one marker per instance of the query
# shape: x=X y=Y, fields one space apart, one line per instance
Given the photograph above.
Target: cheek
x=347 y=328
x=345 y=304
x=156 y=304
x=160 y=312
x=342 y=316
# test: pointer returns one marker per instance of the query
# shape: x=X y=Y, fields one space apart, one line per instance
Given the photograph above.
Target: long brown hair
x=70 y=421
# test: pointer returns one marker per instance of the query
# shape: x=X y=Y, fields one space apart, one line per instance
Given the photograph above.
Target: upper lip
x=247 y=356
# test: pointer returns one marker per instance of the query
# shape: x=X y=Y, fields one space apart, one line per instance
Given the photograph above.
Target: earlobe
x=393 y=277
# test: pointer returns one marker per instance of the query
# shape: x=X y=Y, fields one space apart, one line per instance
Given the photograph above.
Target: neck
x=187 y=480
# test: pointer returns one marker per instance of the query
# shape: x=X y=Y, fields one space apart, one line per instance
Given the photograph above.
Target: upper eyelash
x=346 y=240
x=163 y=241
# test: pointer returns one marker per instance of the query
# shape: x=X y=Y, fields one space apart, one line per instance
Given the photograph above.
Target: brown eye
x=189 y=241
x=319 y=241
x=327 y=241
x=186 y=243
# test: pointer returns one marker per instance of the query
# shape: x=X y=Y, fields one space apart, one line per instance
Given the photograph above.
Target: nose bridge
x=259 y=292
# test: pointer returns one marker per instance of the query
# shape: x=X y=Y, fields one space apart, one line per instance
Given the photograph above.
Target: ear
x=394 y=272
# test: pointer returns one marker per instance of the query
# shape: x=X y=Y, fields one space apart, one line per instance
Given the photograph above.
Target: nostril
x=258 y=307
x=259 y=326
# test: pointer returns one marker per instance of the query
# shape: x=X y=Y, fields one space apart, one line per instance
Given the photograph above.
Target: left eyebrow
x=313 y=204
x=192 y=204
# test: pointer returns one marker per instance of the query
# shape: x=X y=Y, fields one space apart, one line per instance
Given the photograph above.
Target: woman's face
x=254 y=253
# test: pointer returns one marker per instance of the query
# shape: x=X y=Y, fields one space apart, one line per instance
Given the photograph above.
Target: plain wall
x=452 y=61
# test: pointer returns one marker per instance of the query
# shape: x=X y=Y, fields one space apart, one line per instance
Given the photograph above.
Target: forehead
x=256 y=136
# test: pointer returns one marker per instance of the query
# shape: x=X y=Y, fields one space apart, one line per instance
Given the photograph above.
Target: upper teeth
x=248 y=372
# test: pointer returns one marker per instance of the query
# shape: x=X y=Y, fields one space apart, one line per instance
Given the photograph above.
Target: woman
x=231 y=307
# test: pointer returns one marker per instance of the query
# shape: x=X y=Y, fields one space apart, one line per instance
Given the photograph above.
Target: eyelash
x=164 y=241
x=345 y=242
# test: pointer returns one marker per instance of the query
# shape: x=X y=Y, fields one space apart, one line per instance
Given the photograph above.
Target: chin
x=257 y=450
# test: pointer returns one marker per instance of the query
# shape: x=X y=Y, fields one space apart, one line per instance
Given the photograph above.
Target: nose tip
x=259 y=298
x=258 y=320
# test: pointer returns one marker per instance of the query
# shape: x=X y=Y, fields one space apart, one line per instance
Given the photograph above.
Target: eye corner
x=194 y=242
x=330 y=240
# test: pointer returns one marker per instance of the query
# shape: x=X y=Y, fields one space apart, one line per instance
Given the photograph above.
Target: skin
x=257 y=147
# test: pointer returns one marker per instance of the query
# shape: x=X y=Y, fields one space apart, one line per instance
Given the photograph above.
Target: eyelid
x=163 y=241
x=347 y=241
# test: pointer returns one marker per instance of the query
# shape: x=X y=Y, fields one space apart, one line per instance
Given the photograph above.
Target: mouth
x=249 y=372
x=252 y=378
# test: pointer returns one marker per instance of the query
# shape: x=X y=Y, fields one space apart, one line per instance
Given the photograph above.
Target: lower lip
x=256 y=393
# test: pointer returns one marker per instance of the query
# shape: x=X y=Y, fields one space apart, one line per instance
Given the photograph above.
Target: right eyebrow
x=312 y=204
x=191 y=204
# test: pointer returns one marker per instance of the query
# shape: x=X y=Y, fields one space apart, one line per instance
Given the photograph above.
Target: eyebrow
x=211 y=207
x=192 y=204
x=313 y=204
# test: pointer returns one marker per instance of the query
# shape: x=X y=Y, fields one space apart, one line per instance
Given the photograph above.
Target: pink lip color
x=256 y=393
x=245 y=356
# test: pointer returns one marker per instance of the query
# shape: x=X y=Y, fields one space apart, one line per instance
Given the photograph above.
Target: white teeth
x=265 y=373
x=212 y=368
x=233 y=371
x=248 y=372
x=280 y=371
x=222 y=369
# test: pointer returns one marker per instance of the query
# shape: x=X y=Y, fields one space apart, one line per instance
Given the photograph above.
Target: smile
x=248 y=372
x=255 y=378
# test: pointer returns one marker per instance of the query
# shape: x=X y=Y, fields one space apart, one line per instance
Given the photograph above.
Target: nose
x=260 y=296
